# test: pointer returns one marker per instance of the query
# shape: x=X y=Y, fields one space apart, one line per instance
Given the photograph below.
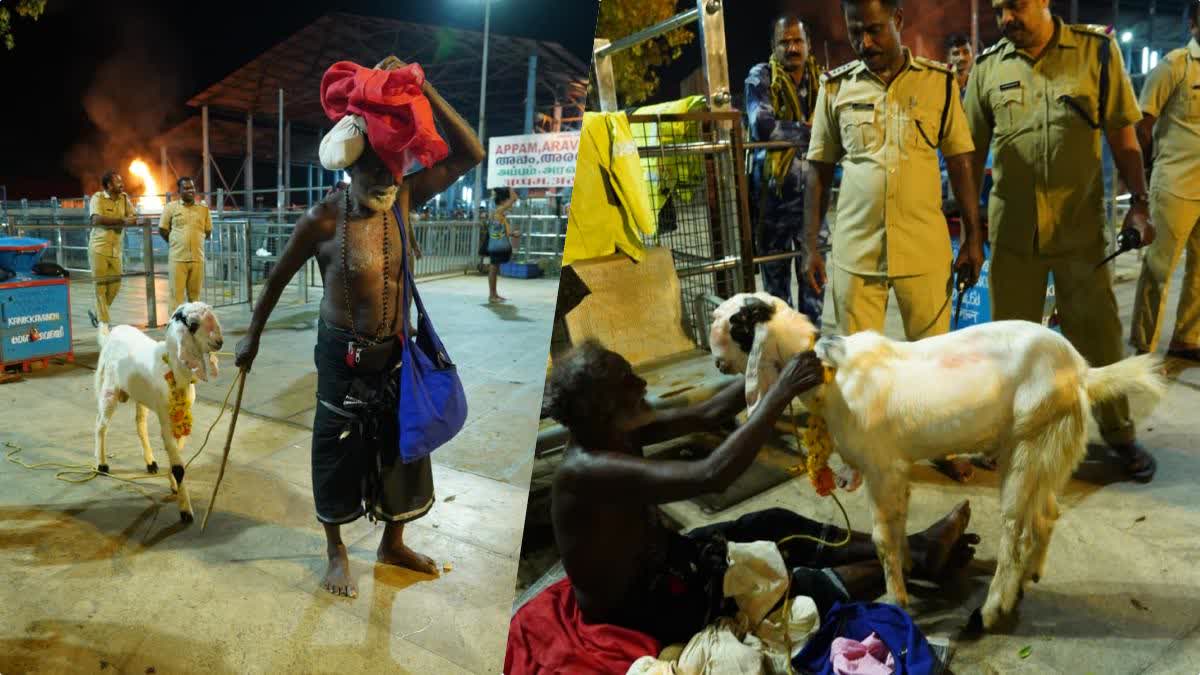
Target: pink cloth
x=869 y=657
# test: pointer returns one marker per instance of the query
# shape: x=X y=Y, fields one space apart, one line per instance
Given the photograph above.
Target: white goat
x=132 y=365
x=1013 y=390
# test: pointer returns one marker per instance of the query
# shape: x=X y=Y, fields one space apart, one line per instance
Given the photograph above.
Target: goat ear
x=761 y=371
x=187 y=353
x=831 y=350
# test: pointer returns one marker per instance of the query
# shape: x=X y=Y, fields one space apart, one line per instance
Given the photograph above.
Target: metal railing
x=245 y=245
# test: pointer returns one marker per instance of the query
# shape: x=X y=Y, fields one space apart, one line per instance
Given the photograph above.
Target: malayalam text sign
x=532 y=161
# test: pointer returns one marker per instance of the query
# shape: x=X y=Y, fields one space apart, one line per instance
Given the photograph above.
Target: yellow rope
x=818 y=446
x=88 y=472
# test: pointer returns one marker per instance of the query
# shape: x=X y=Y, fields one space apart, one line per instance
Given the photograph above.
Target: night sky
x=189 y=46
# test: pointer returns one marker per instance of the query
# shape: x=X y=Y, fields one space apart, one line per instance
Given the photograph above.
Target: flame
x=149 y=201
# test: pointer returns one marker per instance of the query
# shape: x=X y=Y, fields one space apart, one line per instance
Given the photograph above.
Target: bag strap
x=946 y=107
x=1105 y=56
x=410 y=286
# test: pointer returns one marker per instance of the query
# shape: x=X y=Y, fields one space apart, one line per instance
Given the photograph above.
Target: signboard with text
x=532 y=161
x=34 y=320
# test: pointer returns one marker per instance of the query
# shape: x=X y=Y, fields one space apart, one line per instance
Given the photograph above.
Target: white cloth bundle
x=344 y=143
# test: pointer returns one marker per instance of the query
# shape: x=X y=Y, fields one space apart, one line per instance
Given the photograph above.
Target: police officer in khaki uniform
x=1044 y=95
x=110 y=211
x=185 y=225
x=1171 y=118
x=885 y=117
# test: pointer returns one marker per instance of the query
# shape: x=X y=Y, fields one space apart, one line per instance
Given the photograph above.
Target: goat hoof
x=152 y=467
x=177 y=472
x=103 y=468
x=1037 y=578
x=186 y=517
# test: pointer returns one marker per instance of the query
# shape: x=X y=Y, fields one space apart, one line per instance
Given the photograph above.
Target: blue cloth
x=909 y=648
x=779 y=209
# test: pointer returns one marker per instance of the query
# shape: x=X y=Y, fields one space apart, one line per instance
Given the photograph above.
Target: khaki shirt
x=889 y=214
x=107 y=240
x=1172 y=94
x=1048 y=191
x=187 y=227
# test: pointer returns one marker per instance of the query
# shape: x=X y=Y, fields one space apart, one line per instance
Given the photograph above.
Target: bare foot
x=945 y=546
x=957 y=468
x=403 y=556
x=497 y=298
x=337 y=578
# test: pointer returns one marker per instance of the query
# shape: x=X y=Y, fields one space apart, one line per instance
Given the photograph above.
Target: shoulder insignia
x=1095 y=30
x=936 y=65
x=839 y=72
x=989 y=51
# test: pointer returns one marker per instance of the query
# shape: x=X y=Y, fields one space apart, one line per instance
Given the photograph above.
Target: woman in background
x=500 y=238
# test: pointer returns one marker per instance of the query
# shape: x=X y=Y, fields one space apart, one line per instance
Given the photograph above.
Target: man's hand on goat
x=803 y=372
x=969 y=264
x=247 y=349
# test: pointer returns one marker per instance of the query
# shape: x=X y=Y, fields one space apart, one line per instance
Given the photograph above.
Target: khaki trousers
x=106 y=275
x=860 y=302
x=1178 y=223
x=1086 y=305
x=185 y=278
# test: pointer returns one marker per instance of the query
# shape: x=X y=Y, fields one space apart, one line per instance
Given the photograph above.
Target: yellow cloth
x=610 y=204
x=1172 y=94
x=187 y=226
x=106 y=241
x=785 y=101
x=665 y=175
x=889 y=211
x=1048 y=195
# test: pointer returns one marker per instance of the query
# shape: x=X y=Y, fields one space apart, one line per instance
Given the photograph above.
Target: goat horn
x=237 y=407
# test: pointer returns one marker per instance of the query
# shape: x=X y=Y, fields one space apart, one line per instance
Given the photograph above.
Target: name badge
x=862 y=106
x=1016 y=84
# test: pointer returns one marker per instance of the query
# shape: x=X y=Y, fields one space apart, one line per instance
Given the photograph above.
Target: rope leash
x=787 y=598
x=82 y=473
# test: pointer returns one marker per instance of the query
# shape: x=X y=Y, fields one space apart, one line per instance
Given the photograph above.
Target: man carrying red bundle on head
x=385 y=123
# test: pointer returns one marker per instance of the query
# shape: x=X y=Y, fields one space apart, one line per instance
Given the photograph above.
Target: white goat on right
x=1014 y=390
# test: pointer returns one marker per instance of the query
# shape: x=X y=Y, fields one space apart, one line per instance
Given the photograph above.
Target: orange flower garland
x=178 y=408
x=819 y=445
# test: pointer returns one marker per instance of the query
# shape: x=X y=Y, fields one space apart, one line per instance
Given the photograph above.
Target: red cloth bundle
x=548 y=635
x=399 y=119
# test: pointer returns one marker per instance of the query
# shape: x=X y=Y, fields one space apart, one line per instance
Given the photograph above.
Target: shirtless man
x=358 y=243
x=627 y=568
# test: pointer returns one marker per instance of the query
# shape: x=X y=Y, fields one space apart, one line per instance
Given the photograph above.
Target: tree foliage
x=30 y=9
x=634 y=69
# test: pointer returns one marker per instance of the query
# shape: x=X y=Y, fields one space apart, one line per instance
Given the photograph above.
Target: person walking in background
x=498 y=246
x=110 y=211
x=1171 y=124
x=185 y=224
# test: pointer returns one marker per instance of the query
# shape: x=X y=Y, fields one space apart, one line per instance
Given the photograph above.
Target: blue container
x=20 y=254
x=520 y=270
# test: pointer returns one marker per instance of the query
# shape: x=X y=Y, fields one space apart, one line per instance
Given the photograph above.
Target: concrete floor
x=1122 y=590
x=96 y=577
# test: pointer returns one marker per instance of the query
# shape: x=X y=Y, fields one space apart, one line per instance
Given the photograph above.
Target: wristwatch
x=1139 y=198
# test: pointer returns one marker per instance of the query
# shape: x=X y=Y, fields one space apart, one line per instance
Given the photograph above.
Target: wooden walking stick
x=237 y=407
